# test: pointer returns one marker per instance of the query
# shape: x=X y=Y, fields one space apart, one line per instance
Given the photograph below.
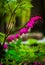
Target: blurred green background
x=14 y=14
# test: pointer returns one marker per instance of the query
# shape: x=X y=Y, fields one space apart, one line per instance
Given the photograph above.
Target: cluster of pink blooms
x=5 y=46
x=11 y=37
x=32 y=21
x=30 y=24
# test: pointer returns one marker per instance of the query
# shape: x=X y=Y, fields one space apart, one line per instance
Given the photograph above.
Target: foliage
x=19 y=52
x=14 y=6
x=12 y=9
x=2 y=37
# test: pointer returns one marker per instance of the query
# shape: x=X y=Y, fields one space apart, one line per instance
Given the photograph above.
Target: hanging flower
x=23 y=30
x=10 y=38
x=5 y=46
x=17 y=35
x=36 y=18
x=32 y=21
x=29 y=25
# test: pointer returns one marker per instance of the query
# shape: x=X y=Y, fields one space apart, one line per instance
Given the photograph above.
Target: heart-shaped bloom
x=23 y=30
x=5 y=46
x=32 y=21
x=17 y=35
x=29 y=25
x=10 y=38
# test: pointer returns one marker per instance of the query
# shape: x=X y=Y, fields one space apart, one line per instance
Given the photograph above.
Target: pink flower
x=37 y=17
x=29 y=25
x=10 y=38
x=23 y=30
x=33 y=18
x=32 y=21
x=17 y=35
x=5 y=46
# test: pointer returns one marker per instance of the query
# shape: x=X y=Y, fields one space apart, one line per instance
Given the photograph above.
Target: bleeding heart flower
x=33 y=18
x=5 y=46
x=37 y=17
x=33 y=21
x=10 y=38
x=29 y=25
x=23 y=30
x=17 y=35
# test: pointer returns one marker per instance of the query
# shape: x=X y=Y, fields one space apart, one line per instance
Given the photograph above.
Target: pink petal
x=10 y=38
x=23 y=30
x=5 y=46
x=17 y=35
x=29 y=25
x=33 y=18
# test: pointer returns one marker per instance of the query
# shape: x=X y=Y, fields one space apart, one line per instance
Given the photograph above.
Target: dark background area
x=39 y=9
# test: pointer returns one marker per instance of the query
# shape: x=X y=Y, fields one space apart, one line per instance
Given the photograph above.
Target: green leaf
x=2 y=37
